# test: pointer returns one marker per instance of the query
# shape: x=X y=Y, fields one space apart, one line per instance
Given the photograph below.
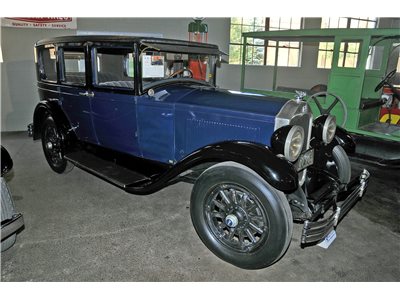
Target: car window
x=114 y=68
x=74 y=66
x=160 y=65
x=48 y=63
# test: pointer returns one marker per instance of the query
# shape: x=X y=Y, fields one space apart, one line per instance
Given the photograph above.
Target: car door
x=113 y=103
x=75 y=96
x=156 y=127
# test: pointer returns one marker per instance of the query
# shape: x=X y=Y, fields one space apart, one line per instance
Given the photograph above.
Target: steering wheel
x=180 y=71
x=385 y=80
x=334 y=103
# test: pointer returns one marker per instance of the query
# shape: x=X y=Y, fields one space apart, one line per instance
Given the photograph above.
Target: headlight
x=294 y=143
x=329 y=129
x=325 y=128
x=288 y=140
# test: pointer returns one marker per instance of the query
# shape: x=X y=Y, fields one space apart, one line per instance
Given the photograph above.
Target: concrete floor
x=80 y=228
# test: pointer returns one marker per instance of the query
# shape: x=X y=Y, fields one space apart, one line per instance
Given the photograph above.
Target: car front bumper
x=313 y=232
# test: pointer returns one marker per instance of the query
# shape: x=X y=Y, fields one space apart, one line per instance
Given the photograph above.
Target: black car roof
x=122 y=39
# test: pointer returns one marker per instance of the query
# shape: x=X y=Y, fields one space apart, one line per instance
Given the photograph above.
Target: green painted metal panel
x=353 y=85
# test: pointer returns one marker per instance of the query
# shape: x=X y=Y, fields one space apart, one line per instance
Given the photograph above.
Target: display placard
x=48 y=23
x=152 y=66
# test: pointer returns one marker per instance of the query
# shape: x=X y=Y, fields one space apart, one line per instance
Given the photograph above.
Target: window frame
x=266 y=45
x=348 y=26
x=42 y=65
x=62 y=75
x=94 y=79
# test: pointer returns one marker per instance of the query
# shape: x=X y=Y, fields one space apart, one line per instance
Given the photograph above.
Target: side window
x=348 y=54
x=114 y=68
x=74 y=66
x=48 y=63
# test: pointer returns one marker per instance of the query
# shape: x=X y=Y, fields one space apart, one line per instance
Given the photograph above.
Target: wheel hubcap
x=52 y=144
x=236 y=217
x=231 y=220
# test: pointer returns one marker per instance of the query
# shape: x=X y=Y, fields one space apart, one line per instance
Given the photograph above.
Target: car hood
x=211 y=97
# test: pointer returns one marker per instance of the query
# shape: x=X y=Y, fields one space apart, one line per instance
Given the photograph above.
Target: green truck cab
x=363 y=83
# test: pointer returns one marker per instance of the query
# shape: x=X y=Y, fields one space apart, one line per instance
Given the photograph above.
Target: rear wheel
x=53 y=147
x=240 y=217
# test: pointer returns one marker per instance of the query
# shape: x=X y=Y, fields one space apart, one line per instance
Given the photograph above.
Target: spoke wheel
x=240 y=217
x=53 y=147
x=336 y=101
x=236 y=217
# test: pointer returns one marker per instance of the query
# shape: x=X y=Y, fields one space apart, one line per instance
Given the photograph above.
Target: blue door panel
x=156 y=129
x=114 y=119
x=78 y=111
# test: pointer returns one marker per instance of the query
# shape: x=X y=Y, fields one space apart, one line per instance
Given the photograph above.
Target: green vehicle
x=362 y=87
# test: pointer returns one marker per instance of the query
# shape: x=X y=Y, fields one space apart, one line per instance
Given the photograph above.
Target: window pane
x=354 y=23
x=235 y=53
x=293 y=57
x=255 y=53
x=348 y=54
x=248 y=21
x=285 y=23
x=342 y=23
x=115 y=68
x=48 y=70
x=258 y=56
x=74 y=67
x=258 y=42
x=296 y=23
x=273 y=23
x=271 y=56
x=236 y=20
x=283 y=55
x=236 y=34
x=321 y=59
x=260 y=21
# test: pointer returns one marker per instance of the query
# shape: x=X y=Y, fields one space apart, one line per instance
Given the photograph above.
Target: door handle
x=87 y=94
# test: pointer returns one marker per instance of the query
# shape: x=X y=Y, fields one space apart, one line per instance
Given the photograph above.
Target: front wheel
x=342 y=162
x=53 y=147
x=240 y=217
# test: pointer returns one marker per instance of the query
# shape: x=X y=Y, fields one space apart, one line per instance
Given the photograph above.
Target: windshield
x=162 y=66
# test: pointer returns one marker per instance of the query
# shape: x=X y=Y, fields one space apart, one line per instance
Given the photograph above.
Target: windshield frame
x=212 y=60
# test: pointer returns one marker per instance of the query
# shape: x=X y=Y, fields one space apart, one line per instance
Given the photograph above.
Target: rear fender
x=47 y=108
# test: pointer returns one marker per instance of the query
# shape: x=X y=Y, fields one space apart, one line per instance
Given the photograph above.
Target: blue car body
x=176 y=121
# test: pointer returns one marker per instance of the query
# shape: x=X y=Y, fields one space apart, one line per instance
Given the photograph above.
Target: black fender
x=275 y=170
x=344 y=139
x=6 y=161
x=45 y=108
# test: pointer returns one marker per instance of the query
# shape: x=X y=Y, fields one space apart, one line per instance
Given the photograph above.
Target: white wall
x=18 y=80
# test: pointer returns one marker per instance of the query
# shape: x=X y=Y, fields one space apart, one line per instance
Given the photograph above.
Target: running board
x=107 y=170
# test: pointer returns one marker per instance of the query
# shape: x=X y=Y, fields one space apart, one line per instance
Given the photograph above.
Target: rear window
x=48 y=63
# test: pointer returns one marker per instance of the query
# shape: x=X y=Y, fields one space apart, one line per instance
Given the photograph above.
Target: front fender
x=277 y=171
x=344 y=139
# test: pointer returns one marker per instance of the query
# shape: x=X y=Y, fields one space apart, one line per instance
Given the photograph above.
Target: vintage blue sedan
x=144 y=113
